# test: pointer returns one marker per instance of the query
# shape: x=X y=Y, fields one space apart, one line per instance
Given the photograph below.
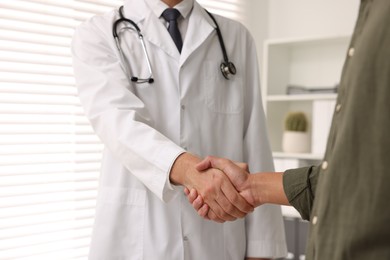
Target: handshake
x=222 y=190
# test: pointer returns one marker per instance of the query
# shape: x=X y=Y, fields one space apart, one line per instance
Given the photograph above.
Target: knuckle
x=235 y=199
x=241 y=214
x=208 y=191
x=225 y=216
x=203 y=213
x=209 y=157
x=212 y=216
x=226 y=160
x=229 y=208
x=246 y=166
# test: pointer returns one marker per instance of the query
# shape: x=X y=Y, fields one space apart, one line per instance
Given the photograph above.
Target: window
x=234 y=9
x=49 y=156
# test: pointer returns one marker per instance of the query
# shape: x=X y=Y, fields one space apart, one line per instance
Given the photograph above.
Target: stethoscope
x=227 y=67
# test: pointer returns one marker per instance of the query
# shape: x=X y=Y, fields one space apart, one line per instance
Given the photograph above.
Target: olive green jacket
x=347 y=197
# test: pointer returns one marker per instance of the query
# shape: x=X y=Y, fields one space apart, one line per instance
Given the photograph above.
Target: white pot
x=296 y=142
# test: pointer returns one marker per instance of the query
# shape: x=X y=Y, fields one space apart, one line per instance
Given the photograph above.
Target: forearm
x=267 y=188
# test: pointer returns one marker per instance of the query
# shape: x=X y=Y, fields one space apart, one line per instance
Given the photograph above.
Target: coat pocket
x=222 y=95
x=119 y=223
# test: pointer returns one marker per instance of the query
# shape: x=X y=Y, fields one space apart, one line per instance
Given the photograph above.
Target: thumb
x=242 y=165
x=203 y=165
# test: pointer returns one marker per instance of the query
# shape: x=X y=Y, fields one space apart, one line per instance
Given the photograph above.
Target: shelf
x=302 y=156
x=302 y=97
x=309 y=40
x=312 y=62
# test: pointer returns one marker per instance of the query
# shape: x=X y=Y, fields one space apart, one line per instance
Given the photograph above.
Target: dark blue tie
x=171 y=15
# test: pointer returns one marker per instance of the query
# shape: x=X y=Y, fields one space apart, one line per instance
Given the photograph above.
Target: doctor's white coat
x=144 y=127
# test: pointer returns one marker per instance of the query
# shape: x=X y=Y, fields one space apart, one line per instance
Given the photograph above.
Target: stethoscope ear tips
x=150 y=81
x=227 y=69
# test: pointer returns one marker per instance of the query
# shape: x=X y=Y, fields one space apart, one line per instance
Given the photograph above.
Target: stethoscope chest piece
x=228 y=69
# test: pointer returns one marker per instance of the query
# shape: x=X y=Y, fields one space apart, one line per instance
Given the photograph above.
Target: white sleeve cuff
x=165 y=160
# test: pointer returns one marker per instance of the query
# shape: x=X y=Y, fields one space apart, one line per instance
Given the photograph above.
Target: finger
x=242 y=165
x=217 y=200
x=219 y=211
x=219 y=163
x=192 y=196
x=229 y=197
x=236 y=175
x=212 y=216
x=203 y=211
x=203 y=165
x=228 y=208
x=242 y=207
x=197 y=203
x=186 y=191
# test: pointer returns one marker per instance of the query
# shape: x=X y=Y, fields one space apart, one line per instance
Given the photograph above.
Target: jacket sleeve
x=264 y=227
x=117 y=115
x=300 y=187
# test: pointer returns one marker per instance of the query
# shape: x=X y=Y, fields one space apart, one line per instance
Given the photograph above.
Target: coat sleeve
x=265 y=229
x=117 y=115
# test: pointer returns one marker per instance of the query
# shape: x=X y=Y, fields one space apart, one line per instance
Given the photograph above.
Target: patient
x=346 y=197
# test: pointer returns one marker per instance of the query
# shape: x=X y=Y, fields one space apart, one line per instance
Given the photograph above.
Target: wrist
x=268 y=188
x=182 y=169
x=257 y=188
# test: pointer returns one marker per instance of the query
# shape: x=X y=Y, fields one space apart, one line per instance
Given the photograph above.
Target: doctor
x=155 y=132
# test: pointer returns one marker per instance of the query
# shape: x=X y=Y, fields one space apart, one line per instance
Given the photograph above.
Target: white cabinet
x=309 y=62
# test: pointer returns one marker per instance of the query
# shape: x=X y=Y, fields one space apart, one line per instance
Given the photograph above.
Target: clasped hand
x=222 y=192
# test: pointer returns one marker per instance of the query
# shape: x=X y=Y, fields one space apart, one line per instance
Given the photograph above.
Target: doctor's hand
x=238 y=175
x=216 y=190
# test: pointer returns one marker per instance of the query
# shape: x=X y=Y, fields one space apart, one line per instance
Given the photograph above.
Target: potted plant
x=295 y=137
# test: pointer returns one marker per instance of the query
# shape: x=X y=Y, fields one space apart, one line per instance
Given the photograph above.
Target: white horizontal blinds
x=49 y=156
x=234 y=9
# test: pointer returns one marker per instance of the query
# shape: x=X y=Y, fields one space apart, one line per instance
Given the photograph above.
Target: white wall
x=270 y=19
x=257 y=22
x=301 y=18
x=256 y=18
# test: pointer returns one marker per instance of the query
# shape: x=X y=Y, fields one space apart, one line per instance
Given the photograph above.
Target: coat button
x=324 y=165
x=315 y=219
x=351 y=52
x=185 y=238
x=338 y=107
x=183 y=107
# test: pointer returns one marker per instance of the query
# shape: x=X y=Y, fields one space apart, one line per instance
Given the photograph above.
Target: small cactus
x=296 y=121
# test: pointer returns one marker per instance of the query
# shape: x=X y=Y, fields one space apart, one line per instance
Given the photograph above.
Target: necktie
x=171 y=15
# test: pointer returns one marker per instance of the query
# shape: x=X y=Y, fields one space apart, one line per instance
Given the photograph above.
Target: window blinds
x=49 y=156
x=234 y=9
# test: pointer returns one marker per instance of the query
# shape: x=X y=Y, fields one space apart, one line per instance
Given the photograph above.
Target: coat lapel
x=151 y=27
x=156 y=33
x=200 y=26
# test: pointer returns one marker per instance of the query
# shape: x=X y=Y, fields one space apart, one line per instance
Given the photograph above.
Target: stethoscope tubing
x=227 y=68
x=122 y=19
